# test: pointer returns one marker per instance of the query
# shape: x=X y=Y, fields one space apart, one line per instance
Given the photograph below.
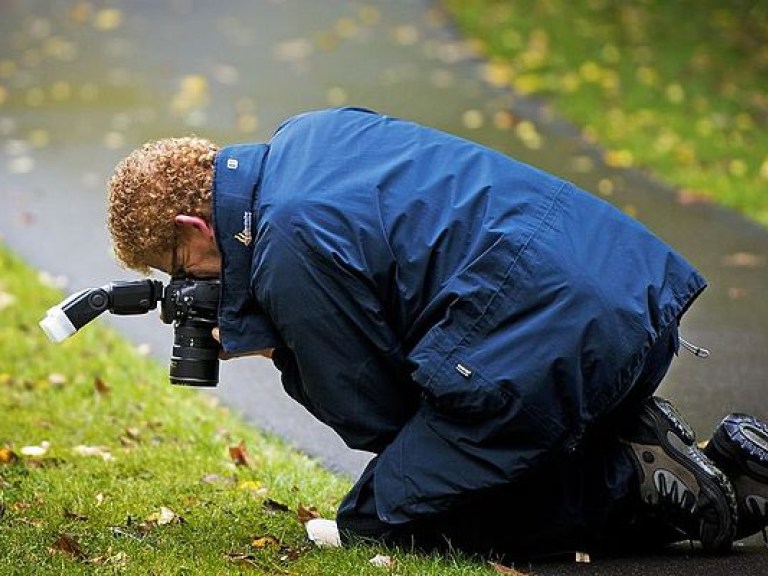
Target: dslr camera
x=191 y=305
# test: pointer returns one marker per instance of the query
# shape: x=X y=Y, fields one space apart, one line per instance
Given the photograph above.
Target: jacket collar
x=237 y=177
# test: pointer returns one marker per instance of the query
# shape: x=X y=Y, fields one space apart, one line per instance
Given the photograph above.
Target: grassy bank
x=107 y=469
x=678 y=88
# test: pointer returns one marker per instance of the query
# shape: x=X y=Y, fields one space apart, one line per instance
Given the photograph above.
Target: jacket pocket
x=459 y=391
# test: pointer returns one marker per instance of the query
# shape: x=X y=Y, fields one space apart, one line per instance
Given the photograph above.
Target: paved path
x=90 y=87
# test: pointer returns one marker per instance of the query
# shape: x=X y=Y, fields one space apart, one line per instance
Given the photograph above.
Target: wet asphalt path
x=86 y=88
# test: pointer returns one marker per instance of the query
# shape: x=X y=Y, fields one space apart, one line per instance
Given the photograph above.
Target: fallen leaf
x=68 y=514
x=57 y=379
x=101 y=387
x=164 y=517
x=66 y=544
x=99 y=451
x=6 y=300
x=249 y=485
x=305 y=514
x=239 y=455
x=382 y=561
x=583 y=558
x=294 y=50
x=619 y=158
x=143 y=349
x=107 y=19
x=744 y=260
x=118 y=560
x=688 y=197
x=735 y=293
x=242 y=558
x=7 y=456
x=275 y=506
x=501 y=569
x=265 y=542
x=217 y=479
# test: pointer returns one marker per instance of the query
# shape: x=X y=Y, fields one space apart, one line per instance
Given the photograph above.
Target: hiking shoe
x=678 y=483
x=739 y=447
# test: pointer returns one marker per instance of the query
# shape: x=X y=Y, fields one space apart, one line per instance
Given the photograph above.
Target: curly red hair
x=149 y=188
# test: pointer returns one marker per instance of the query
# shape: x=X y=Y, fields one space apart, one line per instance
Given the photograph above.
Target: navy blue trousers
x=582 y=501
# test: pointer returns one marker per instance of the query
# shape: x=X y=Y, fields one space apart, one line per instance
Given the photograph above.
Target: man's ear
x=196 y=222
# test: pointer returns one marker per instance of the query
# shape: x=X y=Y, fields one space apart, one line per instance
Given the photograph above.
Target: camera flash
x=56 y=325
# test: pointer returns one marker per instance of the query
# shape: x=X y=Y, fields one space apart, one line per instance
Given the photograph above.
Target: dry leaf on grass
x=239 y=455
x=69 y=515
x=101 y=387
x=118 y=560
x=268 y=541
x=7 y=456
x=275 y=506
x=164 y=517
x=66 y=544
x=305 y=514
x=99 y=451
x=382 y=561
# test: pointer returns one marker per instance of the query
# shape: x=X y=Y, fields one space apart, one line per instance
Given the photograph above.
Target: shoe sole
x=740 y=443
x=677 y=441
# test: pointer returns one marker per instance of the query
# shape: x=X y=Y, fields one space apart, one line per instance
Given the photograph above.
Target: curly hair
x=149 y=188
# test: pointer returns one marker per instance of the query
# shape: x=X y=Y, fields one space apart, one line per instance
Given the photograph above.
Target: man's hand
x=266 y=352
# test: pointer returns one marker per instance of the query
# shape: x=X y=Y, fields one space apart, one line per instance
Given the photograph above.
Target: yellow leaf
x=619 y=158
x=589 y=71
x=737 y=167
x=107 y=19
x=6 y=300
x=764 y=169
x=472 y=119
x=164 y=517
x=7 y=456
x=497 y=73
x=369 y=15
x=675 y=93
x=265 y=542
x=249 y=485
x=405 y=35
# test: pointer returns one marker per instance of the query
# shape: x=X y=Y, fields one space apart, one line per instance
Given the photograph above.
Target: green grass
x=677 y=88
x=64 y=513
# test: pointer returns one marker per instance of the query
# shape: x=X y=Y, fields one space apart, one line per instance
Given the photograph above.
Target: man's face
x=194 y=252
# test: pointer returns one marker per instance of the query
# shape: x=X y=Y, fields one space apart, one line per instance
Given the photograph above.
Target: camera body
x=190 y=304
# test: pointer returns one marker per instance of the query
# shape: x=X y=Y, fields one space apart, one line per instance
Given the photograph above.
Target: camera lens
x=195 y=356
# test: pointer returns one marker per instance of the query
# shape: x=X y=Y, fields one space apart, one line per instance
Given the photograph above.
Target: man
x=491 y=332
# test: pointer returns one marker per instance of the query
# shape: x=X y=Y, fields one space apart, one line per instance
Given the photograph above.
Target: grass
x=167 y=488
x=676 y=88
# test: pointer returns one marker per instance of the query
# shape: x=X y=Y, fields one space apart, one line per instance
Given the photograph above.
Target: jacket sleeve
x=340 y=359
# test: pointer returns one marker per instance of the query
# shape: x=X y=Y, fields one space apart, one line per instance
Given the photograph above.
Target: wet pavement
x=80 y=86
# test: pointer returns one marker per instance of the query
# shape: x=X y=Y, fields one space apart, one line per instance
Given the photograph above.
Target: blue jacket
x=455 y=311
